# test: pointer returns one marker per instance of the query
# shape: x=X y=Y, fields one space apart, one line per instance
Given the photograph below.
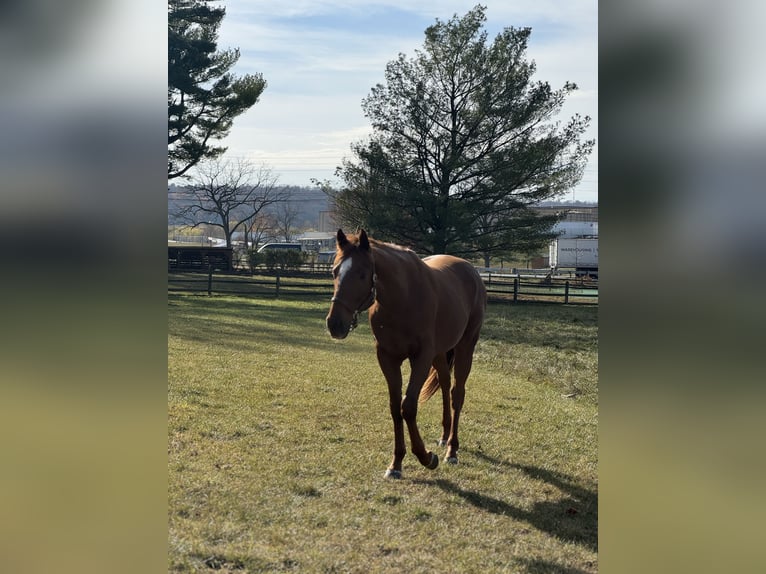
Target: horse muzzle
x=338 y=328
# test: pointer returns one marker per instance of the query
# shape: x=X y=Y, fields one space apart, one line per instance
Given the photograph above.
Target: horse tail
x=429 y=387
x=432 y=383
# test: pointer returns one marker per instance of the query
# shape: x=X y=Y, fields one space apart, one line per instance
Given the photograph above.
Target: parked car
x=279 y=246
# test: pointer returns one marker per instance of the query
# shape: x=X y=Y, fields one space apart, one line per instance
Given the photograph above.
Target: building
x=579 y=222
x=588 y=213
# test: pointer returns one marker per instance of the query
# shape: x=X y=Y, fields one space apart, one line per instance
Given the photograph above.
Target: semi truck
x=580 y=254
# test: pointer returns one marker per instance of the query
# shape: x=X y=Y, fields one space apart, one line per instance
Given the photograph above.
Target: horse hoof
x=451 y=460
x=393 y=474
x=434 y=462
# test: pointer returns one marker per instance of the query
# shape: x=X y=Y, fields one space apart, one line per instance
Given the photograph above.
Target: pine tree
x=464 y=144
x=204 y=96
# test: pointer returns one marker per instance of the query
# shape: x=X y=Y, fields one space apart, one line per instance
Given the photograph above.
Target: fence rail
x=277 y=285
x=301 y=284
x=546 y=288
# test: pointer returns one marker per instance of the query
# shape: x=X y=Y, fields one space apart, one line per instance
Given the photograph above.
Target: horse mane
x=402 y=253
x=394 y=246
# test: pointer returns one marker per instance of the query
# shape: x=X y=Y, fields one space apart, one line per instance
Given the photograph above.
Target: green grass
x=278 y=438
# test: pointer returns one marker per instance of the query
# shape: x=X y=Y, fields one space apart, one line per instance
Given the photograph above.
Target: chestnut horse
x=429 y=311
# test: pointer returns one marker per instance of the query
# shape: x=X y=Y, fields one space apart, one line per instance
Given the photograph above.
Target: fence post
x=566 y=292
x=277 y=294
x=210 y=279
x=515 y=289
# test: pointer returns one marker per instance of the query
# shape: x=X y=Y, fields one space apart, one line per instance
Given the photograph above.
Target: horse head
x=354 y=283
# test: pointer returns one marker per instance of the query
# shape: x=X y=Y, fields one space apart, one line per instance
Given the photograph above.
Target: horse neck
x=395 y=269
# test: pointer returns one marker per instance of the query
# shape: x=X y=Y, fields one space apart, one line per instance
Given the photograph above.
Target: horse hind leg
x=439 y=378
x=463 y=361
x=443 y=364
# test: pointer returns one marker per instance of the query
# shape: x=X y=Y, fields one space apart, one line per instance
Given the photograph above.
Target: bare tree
x=259 y=229
x=229 y=195
x=285 y=214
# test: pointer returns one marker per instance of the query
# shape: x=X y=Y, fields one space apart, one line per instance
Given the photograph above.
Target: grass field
x=278 y=438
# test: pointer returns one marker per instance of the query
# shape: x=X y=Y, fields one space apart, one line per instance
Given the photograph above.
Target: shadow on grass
x=219 y=319
x=543 y=567
x=574 y=518
x=244 y=322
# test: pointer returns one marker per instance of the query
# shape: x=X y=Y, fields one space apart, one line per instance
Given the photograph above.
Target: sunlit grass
x=278 y=438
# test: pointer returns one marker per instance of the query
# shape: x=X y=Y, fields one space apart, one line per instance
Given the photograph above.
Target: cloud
x=321 y=58
x=572 y=12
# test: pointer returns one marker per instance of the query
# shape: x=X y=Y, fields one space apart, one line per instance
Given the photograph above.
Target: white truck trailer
x=580 y=254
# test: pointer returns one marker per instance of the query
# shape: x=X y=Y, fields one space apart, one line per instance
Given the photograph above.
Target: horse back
x=460 y=290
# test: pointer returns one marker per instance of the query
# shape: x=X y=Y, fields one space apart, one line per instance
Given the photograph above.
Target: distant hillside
x=309 y=201
x=568 y=203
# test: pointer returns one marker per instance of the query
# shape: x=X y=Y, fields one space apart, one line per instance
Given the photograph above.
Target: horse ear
x=341 y=238
x=364 y=243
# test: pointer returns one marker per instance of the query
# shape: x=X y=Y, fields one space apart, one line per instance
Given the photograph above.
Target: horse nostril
x=336 y=327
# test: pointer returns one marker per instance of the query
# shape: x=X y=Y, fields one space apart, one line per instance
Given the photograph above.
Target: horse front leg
x=393 y=373
x=418 y=373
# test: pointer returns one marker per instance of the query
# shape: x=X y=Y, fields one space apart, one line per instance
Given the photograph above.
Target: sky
x=322 y=57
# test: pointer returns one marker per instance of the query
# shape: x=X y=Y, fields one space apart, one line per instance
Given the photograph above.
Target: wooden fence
x=303 y=284
x=554 y=289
